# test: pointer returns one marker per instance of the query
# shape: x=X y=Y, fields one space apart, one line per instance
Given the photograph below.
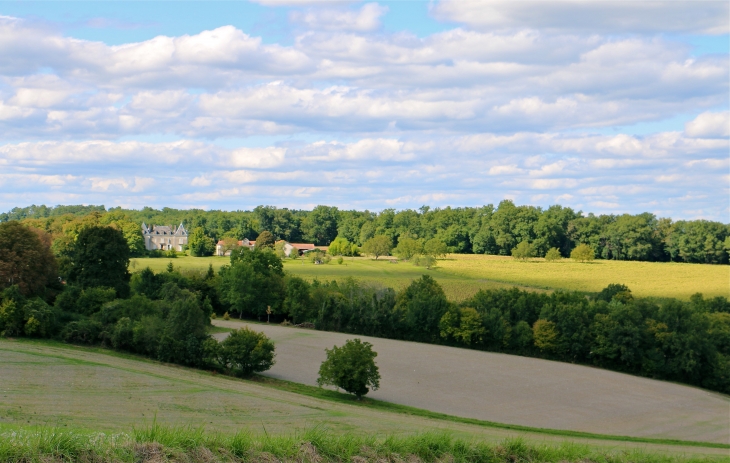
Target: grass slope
x=462 y=275
x=89 y=390
x=155 y=444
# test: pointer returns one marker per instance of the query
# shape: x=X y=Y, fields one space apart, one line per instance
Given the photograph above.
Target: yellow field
x=660 y=279
x=463 y=275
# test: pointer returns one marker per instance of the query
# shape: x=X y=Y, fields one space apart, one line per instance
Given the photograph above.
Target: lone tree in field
x=246 y=351
x=378 y=246
x=351 y=367
x=583 y=253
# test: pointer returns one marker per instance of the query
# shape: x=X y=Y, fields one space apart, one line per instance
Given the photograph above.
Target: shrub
x=226 y=316
x=583 y=253
x=523 y=251
x=621 y=293
x=424 y=261
x=350 y=367
x=246 y=351
x=82 y=332
x=553 y=255
x=11 y=318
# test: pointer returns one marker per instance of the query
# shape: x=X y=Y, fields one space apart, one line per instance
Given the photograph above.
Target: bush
x=82 y=332
x=583 y=253
x=621 y=293
x=553 y=255
x=424 y=261
x=246 y=351
x=523 y=251
x=226 y=316
x=350 y=367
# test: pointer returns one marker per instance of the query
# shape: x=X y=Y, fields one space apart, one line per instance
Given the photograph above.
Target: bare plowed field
x=512 y=389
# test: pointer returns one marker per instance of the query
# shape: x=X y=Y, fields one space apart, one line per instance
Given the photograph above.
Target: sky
x=606 y=107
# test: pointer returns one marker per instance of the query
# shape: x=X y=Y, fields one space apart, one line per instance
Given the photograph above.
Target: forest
x=480 y=230
x=165 y=315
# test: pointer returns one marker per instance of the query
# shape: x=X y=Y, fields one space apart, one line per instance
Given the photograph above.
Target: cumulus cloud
x=709 y=17
x=367 y=18
x=709 y=125
x=515 y=103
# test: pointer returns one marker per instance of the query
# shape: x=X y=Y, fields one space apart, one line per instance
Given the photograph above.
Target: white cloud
x=709 y=125
x=709 y=17
x=257 y=157
x=367 y=18
x=523 y=108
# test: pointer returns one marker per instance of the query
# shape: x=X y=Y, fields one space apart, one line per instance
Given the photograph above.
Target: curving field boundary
x=512 y=389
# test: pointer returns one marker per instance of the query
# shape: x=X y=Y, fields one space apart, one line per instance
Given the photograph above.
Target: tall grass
x=158 y=444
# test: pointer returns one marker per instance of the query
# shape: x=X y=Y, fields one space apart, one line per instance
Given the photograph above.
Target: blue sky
x=605 y=107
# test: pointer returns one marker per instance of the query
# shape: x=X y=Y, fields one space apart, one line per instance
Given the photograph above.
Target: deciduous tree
x=378 y=246
x=351 y=367
x=26 y=259
x=100 y=258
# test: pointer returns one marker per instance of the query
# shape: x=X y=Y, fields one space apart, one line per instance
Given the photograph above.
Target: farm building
x=221 y=249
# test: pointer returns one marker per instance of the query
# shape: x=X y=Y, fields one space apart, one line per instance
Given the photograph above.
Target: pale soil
x=512 y=389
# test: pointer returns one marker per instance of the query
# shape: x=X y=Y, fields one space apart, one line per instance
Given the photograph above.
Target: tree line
x=100 y=303
x=481 y=230
x=165 y=315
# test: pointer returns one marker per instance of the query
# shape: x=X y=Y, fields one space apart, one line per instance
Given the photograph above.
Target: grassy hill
x=462 y=275
x=93 y=390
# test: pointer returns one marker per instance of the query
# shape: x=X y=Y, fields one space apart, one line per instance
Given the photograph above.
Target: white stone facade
x=164 y=238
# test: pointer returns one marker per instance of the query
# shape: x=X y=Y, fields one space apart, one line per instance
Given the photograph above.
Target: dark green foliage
x=100 y=258
x=320 y=225
x=621 y=292
x=420 y=307
x=84 y=331
x=91 y=300
x=245 y=351
x=298 y=303
x=185 y=331
x=26 y=259
x=351 y=367
x=487 y=229
x=12 y=318
x=265 y=240
x=253 y=282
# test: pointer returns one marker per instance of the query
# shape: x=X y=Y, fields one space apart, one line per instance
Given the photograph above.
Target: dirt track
x=512 y=389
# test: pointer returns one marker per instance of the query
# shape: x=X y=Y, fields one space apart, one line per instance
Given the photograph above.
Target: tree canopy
x=26 y=259
x=489 y=229
x=351 y=367
x=100 y=258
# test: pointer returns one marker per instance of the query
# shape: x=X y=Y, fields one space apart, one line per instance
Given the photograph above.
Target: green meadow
x=462 y=275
